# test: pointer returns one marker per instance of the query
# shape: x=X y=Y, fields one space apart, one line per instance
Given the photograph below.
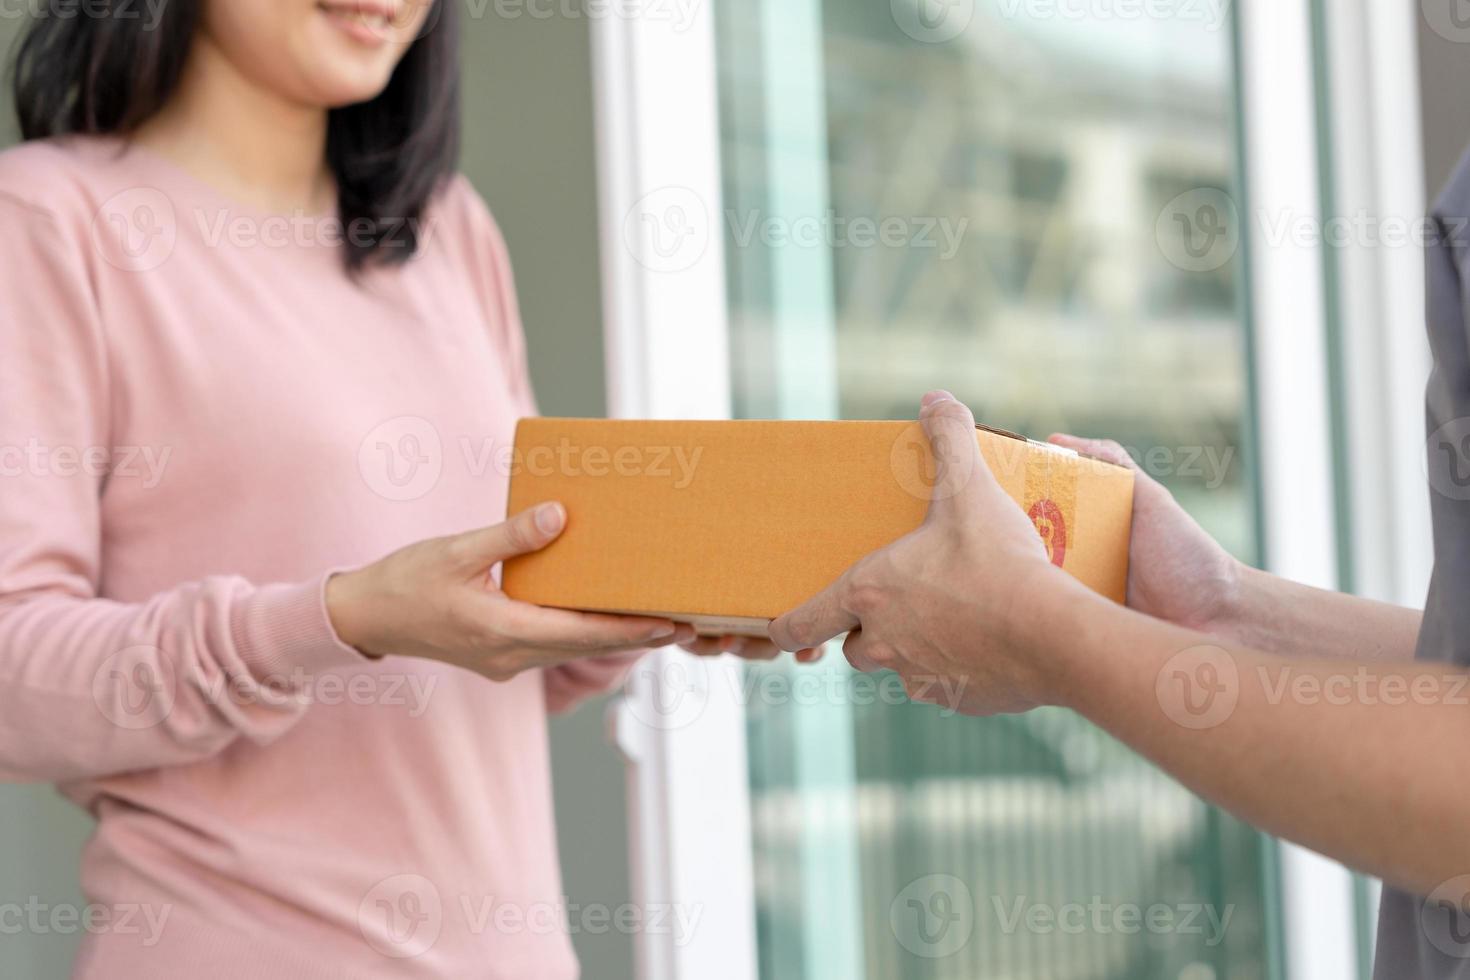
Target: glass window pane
x=991 y=207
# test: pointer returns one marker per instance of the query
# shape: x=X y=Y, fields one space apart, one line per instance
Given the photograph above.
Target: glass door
x=822 y=208
x=999 y=202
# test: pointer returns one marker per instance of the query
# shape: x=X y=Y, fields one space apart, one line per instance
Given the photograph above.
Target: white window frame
x=667 y=356
x=1288 y=309
x=679 y=723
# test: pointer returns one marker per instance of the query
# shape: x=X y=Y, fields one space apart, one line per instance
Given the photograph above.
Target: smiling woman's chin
x=338 y=80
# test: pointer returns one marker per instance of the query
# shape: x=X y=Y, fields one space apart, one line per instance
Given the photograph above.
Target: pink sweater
x=200 y=416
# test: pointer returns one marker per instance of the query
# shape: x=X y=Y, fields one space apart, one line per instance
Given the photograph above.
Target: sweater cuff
x=285 y=628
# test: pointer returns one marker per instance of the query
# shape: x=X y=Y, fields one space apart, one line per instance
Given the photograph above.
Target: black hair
x=105 y=69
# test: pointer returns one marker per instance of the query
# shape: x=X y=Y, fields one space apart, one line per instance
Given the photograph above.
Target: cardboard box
x=729 y=524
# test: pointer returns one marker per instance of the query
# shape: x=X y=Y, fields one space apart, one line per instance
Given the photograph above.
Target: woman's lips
x=367 y=23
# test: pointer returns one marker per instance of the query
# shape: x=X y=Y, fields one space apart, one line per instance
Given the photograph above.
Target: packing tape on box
x=1051 y=501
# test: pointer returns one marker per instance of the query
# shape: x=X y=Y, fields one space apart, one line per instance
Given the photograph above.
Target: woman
x=256 y=333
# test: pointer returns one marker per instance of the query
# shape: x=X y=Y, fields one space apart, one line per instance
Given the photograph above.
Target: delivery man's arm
x=1179 y=573
x=1345 y=755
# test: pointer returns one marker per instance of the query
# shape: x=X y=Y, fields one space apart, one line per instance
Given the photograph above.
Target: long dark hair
x=106 y=74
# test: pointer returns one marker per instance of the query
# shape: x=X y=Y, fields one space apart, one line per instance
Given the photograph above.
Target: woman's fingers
x=744 y=647
x=562 y=629
x=704 y=646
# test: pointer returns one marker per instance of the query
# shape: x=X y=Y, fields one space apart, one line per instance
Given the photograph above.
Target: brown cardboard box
x=729 y=524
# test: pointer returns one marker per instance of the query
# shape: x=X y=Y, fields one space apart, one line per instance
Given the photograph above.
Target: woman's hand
x=953 y=607
x=1176 y=572
x=744 y=647
x=436 y=599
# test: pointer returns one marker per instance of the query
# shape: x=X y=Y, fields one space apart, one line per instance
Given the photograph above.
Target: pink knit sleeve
x=569 y=685
x=88 y=686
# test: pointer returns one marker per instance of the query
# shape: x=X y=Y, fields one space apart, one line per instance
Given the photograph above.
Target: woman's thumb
x=530 y=530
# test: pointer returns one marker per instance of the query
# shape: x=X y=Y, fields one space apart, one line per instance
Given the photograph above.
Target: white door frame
x=1375 y=156
x=680 y=723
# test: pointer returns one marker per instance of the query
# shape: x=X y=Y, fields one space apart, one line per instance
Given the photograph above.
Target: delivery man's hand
x=946 y=606
x=1176 y=572
x=436 y=599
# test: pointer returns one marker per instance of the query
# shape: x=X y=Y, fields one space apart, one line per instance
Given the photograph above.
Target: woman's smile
x=368 y=22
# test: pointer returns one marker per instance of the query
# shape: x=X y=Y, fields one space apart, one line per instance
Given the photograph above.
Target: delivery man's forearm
x=1347 y=759
x=1283 y=617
